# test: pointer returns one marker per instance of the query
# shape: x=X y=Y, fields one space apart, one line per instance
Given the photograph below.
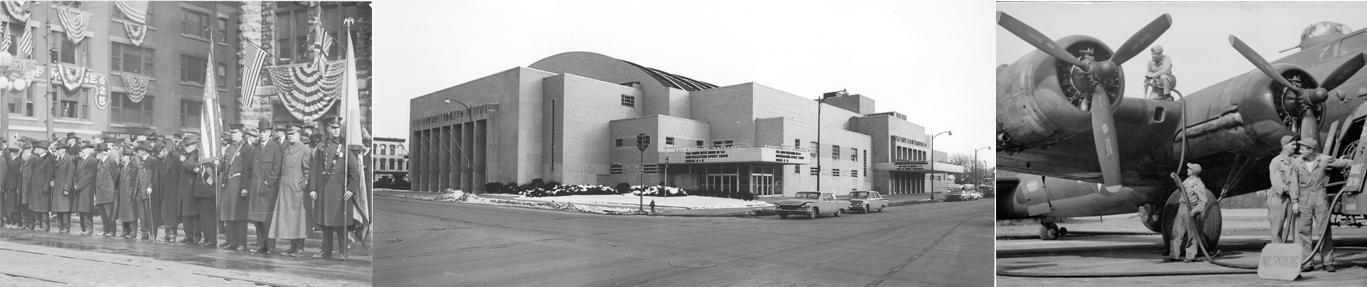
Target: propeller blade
x=1035 y=38
x=1261 y=64
x=1142 y=39
x=1310 y=126
x=1343 y=73
x=1103 y=136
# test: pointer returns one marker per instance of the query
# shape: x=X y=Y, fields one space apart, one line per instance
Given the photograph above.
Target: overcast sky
x=1198 y=40
x=929 y=63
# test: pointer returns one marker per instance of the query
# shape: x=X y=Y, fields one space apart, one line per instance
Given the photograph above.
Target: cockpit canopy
x=1316 y=32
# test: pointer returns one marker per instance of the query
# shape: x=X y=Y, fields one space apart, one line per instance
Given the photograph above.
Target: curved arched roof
x=607 y=68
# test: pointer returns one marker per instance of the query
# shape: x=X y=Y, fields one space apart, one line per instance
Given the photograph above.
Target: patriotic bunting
x=17 y=11
x=76 y=23
x=25 y=43
x=71 y=76
x=136 y=25
x=308 y=90
x=253 y=58
x=136 y=86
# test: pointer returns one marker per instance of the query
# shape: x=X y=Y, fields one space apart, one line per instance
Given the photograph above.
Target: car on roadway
x=867 y=201
x=960 y=195
x=812 y=204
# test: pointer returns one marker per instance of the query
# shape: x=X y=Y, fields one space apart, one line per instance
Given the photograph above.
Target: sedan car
x=812 y=204
x=867 y=201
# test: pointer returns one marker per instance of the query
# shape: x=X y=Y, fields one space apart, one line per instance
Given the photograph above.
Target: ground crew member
x=1310 y=204
x=1183 y=226
x=1159 y=78
x=1282 y=175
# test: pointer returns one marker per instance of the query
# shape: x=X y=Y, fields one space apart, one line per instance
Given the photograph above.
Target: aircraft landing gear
x=1051 y=231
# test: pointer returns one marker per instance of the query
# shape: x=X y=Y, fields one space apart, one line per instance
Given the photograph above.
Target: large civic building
x=136 y=83
x=576 y=118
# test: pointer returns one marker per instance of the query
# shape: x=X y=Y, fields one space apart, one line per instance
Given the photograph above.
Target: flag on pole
x=351 y=116
x=7 y=41
x=25 y=43
x=209 y=115
x=255 y=57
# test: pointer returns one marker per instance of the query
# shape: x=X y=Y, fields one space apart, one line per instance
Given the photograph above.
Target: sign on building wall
x=737 y=155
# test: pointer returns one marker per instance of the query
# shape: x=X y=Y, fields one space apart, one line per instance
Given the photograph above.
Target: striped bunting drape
x=8 y=39
x=71 y=76
x=254 y=58
x=136 y=86
x=136 y=25
x=309 y=89
x=17 y=11
x=76 y=23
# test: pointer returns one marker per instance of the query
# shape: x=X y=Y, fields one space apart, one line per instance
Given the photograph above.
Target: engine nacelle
x=1042 y=100
x=1264 y=114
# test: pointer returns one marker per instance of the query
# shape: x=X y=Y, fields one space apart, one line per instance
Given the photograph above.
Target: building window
x=723 y=143
x=195 y=24
x=797 y=169
x=192 y=69
x=816 y=170
x=617 y=142
x=854 y=154
x=797 y=143
x=835 y=152
x=65 y=51
x=866 y=162
x=70 y=105
x=615 y=169
x=835 y=172
x=131 y=59
x=816 y=148
x=221 y=76
x=222 y=34
x=629 y=101
x=125 y=111
x=669 y=140
x=698 y=143
x=189 y=113
x=854 y=173
x=22 y=106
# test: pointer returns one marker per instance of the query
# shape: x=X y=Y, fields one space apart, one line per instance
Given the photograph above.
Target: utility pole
x=976 y=181
x=817 y=148
x=932 y=162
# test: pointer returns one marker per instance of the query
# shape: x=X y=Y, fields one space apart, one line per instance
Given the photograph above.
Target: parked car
x=811 y=204
x=867 y=201
x=959 y=195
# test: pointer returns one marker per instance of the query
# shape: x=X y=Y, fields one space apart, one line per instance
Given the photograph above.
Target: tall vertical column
x=481 y=144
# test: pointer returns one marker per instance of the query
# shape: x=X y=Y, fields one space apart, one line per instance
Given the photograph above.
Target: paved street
x=35 y=258
x=421 y=243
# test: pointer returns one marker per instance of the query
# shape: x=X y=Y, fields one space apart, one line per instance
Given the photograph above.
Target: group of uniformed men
x=275 y=178
x=1298 y=191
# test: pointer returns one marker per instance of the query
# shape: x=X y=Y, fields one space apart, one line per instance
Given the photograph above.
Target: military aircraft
x=1077 y=147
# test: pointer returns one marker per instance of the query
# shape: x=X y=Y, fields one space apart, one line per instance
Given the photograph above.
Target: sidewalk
x=618 y=209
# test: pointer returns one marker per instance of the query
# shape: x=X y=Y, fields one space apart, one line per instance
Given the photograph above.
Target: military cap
x=102 y=147
x=189 y=139
x=292 y=130
x=263 y=124
x=1193 y=167
x=1286 y=139
x=334 y=122
x=249 y=132
x=1310 y=143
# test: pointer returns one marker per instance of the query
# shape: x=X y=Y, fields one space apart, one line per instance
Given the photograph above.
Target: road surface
x=421 y=243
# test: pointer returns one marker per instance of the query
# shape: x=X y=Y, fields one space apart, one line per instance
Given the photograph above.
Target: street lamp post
x=976 y=181
x=817 y=148
x=932 y=162
x=468 y=165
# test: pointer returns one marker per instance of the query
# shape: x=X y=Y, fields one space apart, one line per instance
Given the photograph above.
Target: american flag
x=26 y=43
x=209 y=127
x=251 y=72
x=7 y=41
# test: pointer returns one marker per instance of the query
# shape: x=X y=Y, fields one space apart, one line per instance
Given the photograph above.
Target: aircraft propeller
x=1305 y=99
x=1103 y=121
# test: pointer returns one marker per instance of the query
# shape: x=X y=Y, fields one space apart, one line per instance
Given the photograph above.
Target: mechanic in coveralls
x=1310 y=204
x=1159 y=79
x=1196 y=195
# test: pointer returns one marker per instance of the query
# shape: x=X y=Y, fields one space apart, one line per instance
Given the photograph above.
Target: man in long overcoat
x=167 y=180
x=290 y=221
x=235 y=170
x=201 y=192
x=11 y=186
x=187 y=182
x=106 y=178
x=32 y=198
x=64 y=175
x=126 y=200
x=142 y=189
x=340 y=176
x=83 y=188
x=265 y=186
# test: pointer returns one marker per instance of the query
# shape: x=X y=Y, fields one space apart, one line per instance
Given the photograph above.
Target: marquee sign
x=737 y=155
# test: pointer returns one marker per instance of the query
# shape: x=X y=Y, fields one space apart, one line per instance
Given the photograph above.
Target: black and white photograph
x=1180 y=144
x=706 y=143
x=185 y=143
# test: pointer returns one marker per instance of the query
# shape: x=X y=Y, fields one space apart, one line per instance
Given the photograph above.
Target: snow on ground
x=686 y=202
